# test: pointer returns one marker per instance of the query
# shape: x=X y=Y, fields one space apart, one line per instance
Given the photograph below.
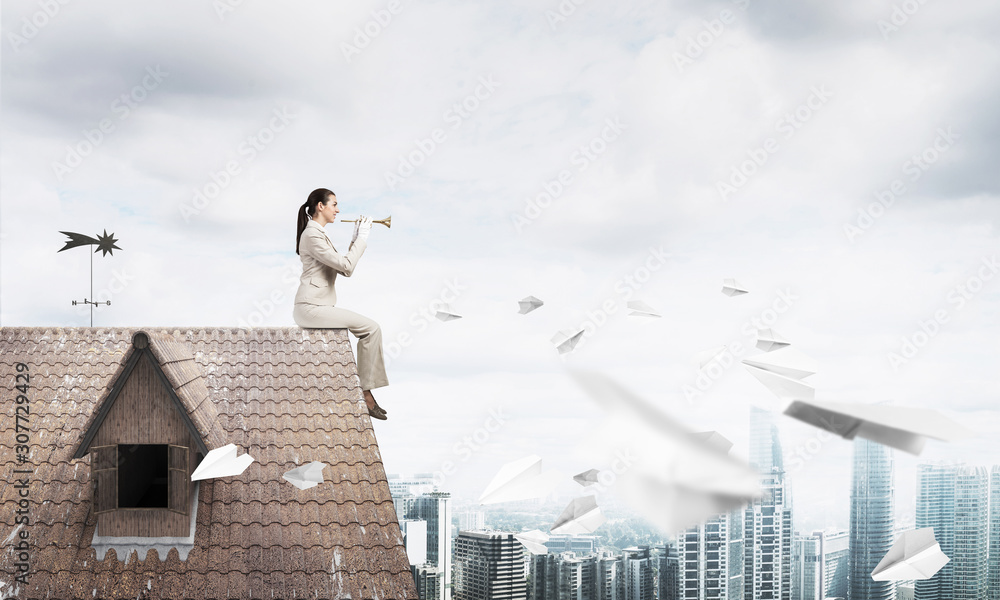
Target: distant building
x=414 y=539
x=471 y=520
x=871 y=525
x=544 y=577
x=710 y=559
x=489 y=565
x=638 y=570
x=578 y=544
x=768 y=520
x=994 y=584
x=428 y=579
x=434 y=508
x=836 y=547
x=807 y=567
x=954 y=499
x=668 y=584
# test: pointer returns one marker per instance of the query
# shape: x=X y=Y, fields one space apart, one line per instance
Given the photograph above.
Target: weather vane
x=105 y=243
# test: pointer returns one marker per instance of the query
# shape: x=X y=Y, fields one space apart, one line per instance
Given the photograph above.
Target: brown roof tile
x=291 y=395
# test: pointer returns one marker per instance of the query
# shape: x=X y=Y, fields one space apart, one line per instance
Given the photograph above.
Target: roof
x=287 y=396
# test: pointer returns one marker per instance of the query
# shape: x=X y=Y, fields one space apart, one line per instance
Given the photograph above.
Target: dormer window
x=144 y=443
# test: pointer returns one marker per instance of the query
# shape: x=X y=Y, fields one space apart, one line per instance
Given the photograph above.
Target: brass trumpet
x=386 y=221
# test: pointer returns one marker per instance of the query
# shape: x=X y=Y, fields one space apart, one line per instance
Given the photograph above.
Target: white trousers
x=371 y=365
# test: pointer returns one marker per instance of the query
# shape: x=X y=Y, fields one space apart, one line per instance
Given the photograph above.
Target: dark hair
x=309 y=208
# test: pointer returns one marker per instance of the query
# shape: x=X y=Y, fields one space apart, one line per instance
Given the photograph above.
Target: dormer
x=145 y=439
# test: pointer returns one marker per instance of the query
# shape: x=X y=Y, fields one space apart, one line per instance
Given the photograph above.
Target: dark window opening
x=142 y=476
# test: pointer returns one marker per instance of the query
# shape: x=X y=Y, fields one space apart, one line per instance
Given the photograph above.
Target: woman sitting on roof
x=316 y=297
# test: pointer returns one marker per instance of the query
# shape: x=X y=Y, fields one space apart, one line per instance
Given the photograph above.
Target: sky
x=837 y=159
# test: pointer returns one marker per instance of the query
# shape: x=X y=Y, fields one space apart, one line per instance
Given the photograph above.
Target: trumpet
x=386 y=221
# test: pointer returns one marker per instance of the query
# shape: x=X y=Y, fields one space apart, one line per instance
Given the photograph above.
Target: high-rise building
x=638 y=571
x=489 y=565
x=544 y=576
x=768 y=520
x=434 y=507
x=807 y=567
x=871 y=525
x=994 y=583
x=836 y=549
x=610 y=577
x=428 y=580
x=471 y=520
x=670 y=572
x=954 y=500
x=710 y=559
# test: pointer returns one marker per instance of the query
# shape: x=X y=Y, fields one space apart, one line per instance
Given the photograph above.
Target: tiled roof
x=287 y=396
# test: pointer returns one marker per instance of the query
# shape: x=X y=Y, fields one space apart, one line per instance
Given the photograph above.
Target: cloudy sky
x=838 y=159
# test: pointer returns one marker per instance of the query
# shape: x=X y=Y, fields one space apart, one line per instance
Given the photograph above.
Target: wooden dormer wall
x=144 y=414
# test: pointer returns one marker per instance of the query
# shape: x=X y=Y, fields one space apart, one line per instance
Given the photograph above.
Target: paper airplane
x=581 y=515
x=783 y=387
x=586 y=478
x=528 y=304
x=786 y=361
x=521 y=479
x=306 y=476
x=769 y=339
x=715 y=439
x=915 y=555
x=704 y=357
x=534 y=541
x=566 y=339
x=900 y=427
x=674 y=477
x=445 y=313
x=731 y=287
x=221 y=462
x=641 y=309
x=782 y=371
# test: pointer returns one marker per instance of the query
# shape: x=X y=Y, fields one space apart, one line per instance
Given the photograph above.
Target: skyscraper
x=489 y=565
x=710 y=559
x=807 y=567
x=836 y=549
x=638 y=572
x=435 y=508
x=994 y=583
x=954 y=500
x=670 y=570
x=871 y=526
x=768 y=520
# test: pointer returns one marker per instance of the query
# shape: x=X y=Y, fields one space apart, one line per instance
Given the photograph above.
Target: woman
x=316 y=297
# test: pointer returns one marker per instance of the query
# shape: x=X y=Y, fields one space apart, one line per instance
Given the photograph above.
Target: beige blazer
x=320 y=264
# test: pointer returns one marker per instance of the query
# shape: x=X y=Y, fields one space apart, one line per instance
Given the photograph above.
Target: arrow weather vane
x=105 y=243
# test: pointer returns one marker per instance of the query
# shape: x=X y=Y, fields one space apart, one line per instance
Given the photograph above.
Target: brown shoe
x=375 y=413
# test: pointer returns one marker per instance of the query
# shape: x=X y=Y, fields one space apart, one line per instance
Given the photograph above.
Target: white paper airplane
x=581 y=515
x=534 y=541
x=221 y=462
x=900 y=427
x=306 y=476
x=673 y=477
x=446 y=313
x=588 y=477
x=528 y=304
x=521 y=479
x=782 y=372
x=641 y=309
x=915 y=555
x=716 y=439
x=731 y=287
x=769 y=339
x=783 y=387
x=706 y=356
x=787 y=361
x=566 y=339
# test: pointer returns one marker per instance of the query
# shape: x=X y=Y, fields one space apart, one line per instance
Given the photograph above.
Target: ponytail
x=308 y=209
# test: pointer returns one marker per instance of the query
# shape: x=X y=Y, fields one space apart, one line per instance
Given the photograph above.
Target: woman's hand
x=364 y=227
